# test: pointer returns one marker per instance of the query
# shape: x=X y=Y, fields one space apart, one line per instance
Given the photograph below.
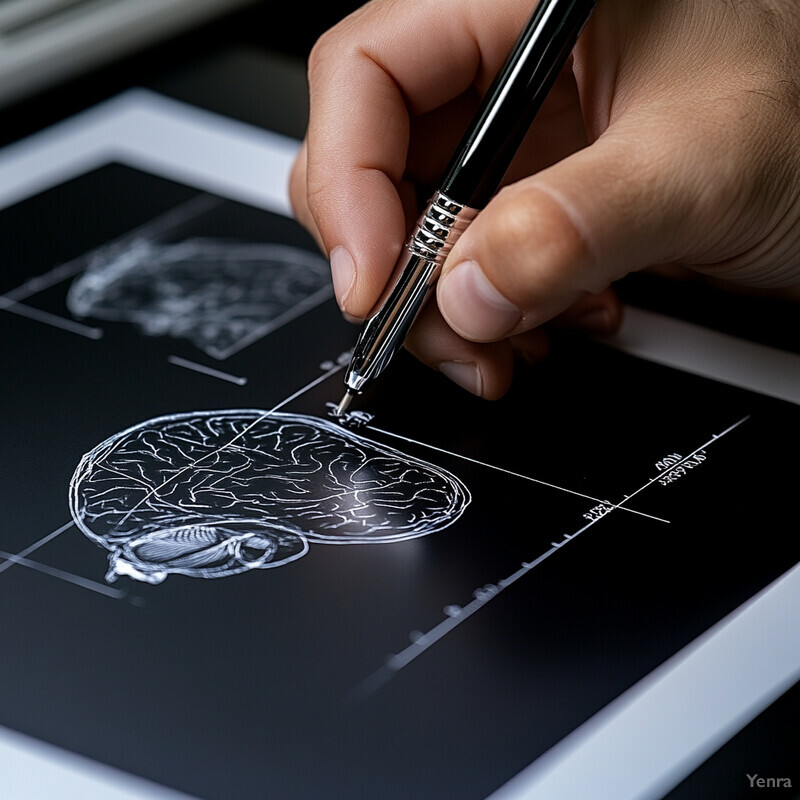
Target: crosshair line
x=35 y=546
x=515 y=474
x=194 y=207
x=456 y=615
x=21 y=558
x=47 y=318
x=320 y=379
x=54 y=572
x=202 y=368
x=297 y=311
x=486 y=594
x=694 y=452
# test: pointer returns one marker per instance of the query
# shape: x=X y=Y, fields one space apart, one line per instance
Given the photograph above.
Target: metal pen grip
x=437 y=230
x=439 y=227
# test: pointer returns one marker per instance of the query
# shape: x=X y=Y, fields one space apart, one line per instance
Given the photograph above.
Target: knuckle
x=322 y=193
x=320 y=54
x=338 y=43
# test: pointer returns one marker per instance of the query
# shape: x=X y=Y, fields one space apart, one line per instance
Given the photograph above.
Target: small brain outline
x=215 y=493
x=219 y=294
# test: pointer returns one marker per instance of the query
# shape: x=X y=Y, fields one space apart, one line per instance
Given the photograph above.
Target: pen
x=470 y=179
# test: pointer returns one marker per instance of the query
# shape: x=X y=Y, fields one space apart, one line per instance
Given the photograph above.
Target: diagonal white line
x=35 y=546
x=711 y=441
x=193 y=464
x=54 y=572
x=482 y=597
x=49 y=319
x=515 y=474
x=214 y=373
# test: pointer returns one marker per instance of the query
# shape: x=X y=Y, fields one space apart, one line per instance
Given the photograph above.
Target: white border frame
x=640 y=745
x=159 y=135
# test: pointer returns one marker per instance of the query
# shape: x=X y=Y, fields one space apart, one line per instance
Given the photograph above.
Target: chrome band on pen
x=438 y=228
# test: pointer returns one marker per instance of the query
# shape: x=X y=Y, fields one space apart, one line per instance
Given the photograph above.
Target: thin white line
x=404 y=657
x=427 y=640
x=200 y=204
x=312 y=301
x=54 y=572
x=239 y=435
x=38 y=283
x=49 y=319
x=36 y=545
x=214 y=373
x=515 y=474
x=716 y=437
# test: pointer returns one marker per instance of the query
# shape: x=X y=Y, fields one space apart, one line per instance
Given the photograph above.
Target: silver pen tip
x=345 y=404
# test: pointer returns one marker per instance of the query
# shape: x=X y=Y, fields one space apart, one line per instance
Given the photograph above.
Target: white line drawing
x=455 y=615
x=203 y=369
x=258 y=488
x=179 y=215
x=619 y=506
x=221 y=295
x=32 y=548
x=355 y=420
x=47 y=318
x=21 y=559
x=212 y=454
x=68 y=577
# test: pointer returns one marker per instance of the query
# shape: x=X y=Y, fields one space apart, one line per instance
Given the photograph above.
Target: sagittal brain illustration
x=220 y=295
x=215 y=493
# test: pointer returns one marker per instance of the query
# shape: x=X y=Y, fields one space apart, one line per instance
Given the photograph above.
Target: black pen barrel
x=513 y=99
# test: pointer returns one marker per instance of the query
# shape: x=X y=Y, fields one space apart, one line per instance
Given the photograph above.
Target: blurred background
x=58 y=56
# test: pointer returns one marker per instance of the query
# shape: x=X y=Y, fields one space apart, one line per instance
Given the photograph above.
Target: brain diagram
x=218 y=294
x=211 y=494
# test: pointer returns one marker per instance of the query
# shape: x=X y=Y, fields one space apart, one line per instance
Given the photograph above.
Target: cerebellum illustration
x=214 y=493
x=220 y=295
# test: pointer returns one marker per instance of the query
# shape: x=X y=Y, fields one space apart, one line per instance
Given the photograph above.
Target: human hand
x=669 y=139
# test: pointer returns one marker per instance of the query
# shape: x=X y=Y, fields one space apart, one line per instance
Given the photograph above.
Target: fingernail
x=473 y=307
x=467 y=376
x=343 y=272
x=598 y=320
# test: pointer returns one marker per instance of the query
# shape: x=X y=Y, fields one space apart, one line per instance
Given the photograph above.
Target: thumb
x=571 y=230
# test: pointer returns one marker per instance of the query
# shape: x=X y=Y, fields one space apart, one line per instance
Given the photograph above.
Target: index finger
x=367 y=75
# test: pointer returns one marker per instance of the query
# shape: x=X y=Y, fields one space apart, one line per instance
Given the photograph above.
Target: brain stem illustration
x=215 y=493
